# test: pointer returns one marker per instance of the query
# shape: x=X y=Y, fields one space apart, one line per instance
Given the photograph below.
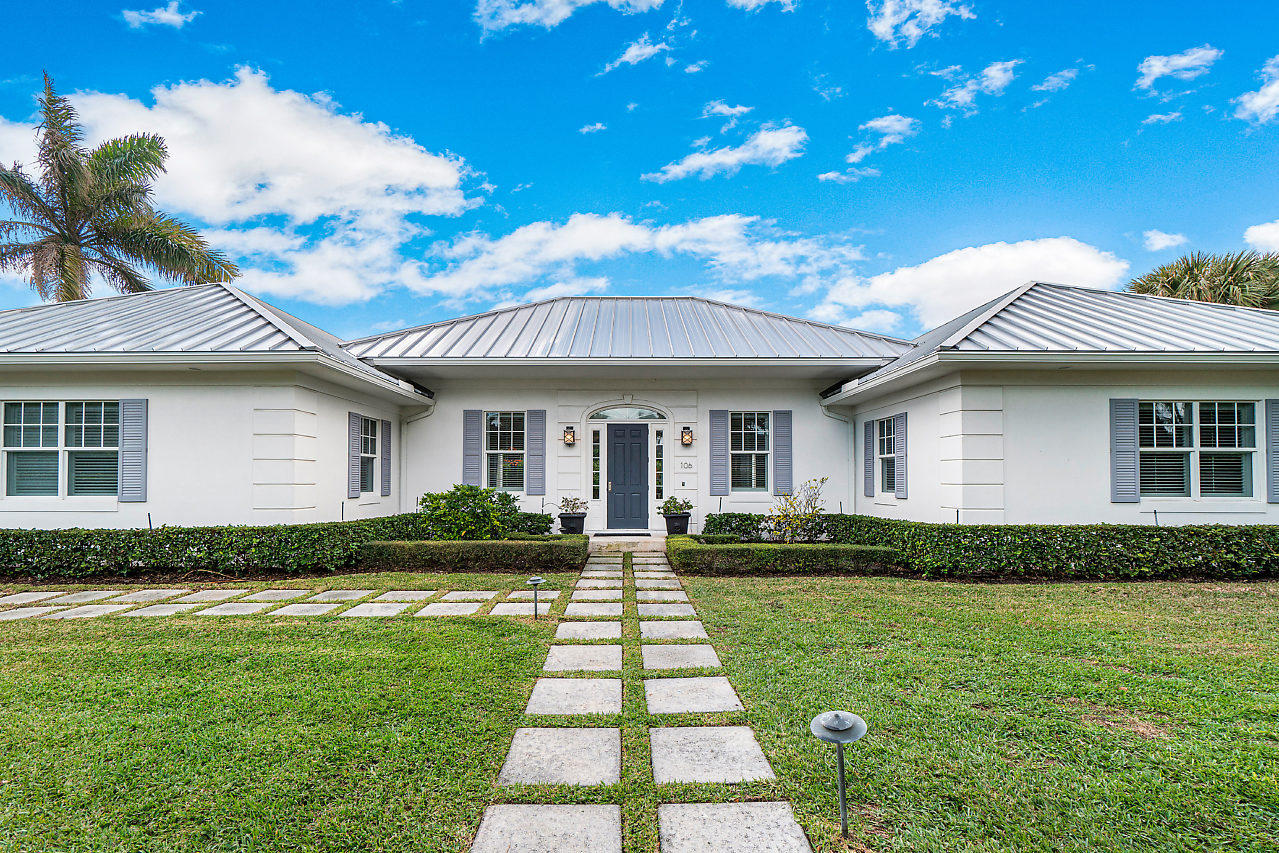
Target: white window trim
x=373 y=457
x=767 y=454
x=594 y=474
x=62 y=500
x=882 y=494
x=487 y=453
x=1219 y=503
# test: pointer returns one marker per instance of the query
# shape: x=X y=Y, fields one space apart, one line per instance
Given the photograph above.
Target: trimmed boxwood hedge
x=695 y=555
x=521 y=554
x=1048 y=551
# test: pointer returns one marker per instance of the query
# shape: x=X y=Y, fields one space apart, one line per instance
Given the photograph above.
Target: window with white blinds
x=1196 y=449
x=54 y=449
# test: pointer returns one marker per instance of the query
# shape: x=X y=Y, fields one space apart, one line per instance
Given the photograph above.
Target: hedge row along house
x=1050 y=404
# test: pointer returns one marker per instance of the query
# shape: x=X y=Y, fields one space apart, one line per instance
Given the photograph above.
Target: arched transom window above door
x=627 y=413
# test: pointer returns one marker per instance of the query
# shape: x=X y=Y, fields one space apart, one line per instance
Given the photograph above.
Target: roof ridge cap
x=255 y=305
x=981 y=319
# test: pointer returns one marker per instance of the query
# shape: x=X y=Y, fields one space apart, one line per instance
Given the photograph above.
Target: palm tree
x=90 y=214
x=1244 y=278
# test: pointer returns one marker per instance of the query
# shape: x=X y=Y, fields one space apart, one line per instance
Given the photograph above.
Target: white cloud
x=848 y=176
x=568 y=287
x=1162 y=118
x=593 y=128
x=733 y=296
x=1057 y=81
x=499 y=14
x=1261 y=106
x=874 y=320
x=165 y=16
x=992 y=80
x=636 y=52
x=731 y=114
x=769 y=146
x=756 y=5
x=908 y=21
x=951 y=284
x=892 y=129
x=1156 y=241
x=1186 y=65
x=696 y=67
x=1263 y=238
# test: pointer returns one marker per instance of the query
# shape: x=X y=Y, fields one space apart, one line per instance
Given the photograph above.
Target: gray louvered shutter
x=899 y=455
x=132 y=484
x=783 y=478
x=472 y=442
x=719 y=451
x=386 y=458
x=352 y=454
x=868 y=460
x=1272 y=451
x=1125 y=487
x=535 y=452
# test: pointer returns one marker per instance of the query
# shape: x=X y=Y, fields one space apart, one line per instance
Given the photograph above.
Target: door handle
x=610 y=485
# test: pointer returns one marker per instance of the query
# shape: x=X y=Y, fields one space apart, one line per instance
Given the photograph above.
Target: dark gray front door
x=628 y=476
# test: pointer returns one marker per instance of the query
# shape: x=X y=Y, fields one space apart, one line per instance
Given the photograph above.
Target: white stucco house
x=1051 y=404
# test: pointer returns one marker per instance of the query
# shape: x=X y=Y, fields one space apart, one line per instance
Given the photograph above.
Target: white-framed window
x=1197 y=449
x=885 y=454
x=504 y=450
x=659 y=464
x=596 y=452
x=61 y=449
x=368 y=453
x=748 y=447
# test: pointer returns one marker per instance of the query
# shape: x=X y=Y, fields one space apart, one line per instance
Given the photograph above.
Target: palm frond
x=170 y=247
x=1244 y=278
x=23 y=196
x=137 y=159
x=120 y=275
x=58 y=145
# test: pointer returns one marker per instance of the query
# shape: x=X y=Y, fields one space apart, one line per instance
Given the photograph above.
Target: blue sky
x=884 y=165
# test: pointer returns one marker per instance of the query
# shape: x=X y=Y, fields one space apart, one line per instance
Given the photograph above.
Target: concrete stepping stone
x=589 y=631
x=730 y=828
x=569 y=696
x=592 y=658
x=542 y=594
x=144 y=596
x=29 y=613
x=655 y=576
x=275 y=595
x=602 y=575
x=672 y=630
x=306 y=608
x=377 y=609
x=646 y=583
x=700 y=656
x=88 y=611
x=563 y=757
x=26 y=597
x=406 y=595
x=235 y=608
x=450 y=608
x=707 y=754
x=597 y=595
x=703 y=695
x=83 y=597
x=549 y=829
x=650 y=610
x=163 y=609
x=213 y=595
x=600 y=583
x=519 y=608
x=660 y=595
x=593 y=608
x=469 y=595
x=341 y=595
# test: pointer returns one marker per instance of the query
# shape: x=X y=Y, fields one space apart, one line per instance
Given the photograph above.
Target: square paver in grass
x=660 y=595
x=600 y=583
x=569 y=696
x=374 y=609
x=673 y=630
x=213 y=595
x=26 y=613
x=592 y=658
x=704 y=695
x=519 y=608
x=730 y=828
x=707 y=754
x=450 y=608
x=699 y=656
x=25 y=597
x=275 y=595
x=549 y=829
x=588 y=631
x=593 y=608
x=406 y=595
x=144 y=596
x=654 y=576
x=83 y=597
x=617 y=575
x=341 y=594
x=597 y=595
x=542 y=594
x=563 y=757
x=648 y=583
x=235 y=608
x=163 y=609
x=306 y=608
x=649 y=610
x=469 y=595
x=89 y=611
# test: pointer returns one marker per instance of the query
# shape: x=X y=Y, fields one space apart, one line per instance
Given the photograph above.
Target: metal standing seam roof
x=592 y=327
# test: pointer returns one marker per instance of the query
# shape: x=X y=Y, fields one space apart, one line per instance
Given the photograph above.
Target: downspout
x=404 y=455
x=848 y=424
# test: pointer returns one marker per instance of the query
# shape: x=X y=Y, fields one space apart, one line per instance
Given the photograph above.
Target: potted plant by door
x=572 y=515
x=676 y=511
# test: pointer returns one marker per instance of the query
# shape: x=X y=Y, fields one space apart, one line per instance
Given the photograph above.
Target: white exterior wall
x=221 y=449
x=820 y=442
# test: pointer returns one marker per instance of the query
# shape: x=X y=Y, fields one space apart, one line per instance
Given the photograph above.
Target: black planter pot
x=572 y=522
x=677 y=523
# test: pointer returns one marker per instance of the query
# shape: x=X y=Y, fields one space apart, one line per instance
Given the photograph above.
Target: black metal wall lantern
x=570 y=436
x=686 y=436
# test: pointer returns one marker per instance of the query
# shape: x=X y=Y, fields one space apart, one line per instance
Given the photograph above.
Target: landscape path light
x=839 y=728
x=535 y=582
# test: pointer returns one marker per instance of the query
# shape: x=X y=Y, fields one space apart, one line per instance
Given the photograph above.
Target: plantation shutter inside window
x=352 y=454
x=132 y=474
x=899 y=455
x=472 y=442
x=386 y=458
x=868 y=459
x=719 y=451
x=535 y=451
x=783 y=476
x=1124 y=458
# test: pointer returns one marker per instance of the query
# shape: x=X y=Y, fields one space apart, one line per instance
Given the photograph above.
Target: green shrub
x=531 y=523
x=688 y=555
x=713 y=539
x=469 y=512
x=1049 y=551
x=525 y=555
